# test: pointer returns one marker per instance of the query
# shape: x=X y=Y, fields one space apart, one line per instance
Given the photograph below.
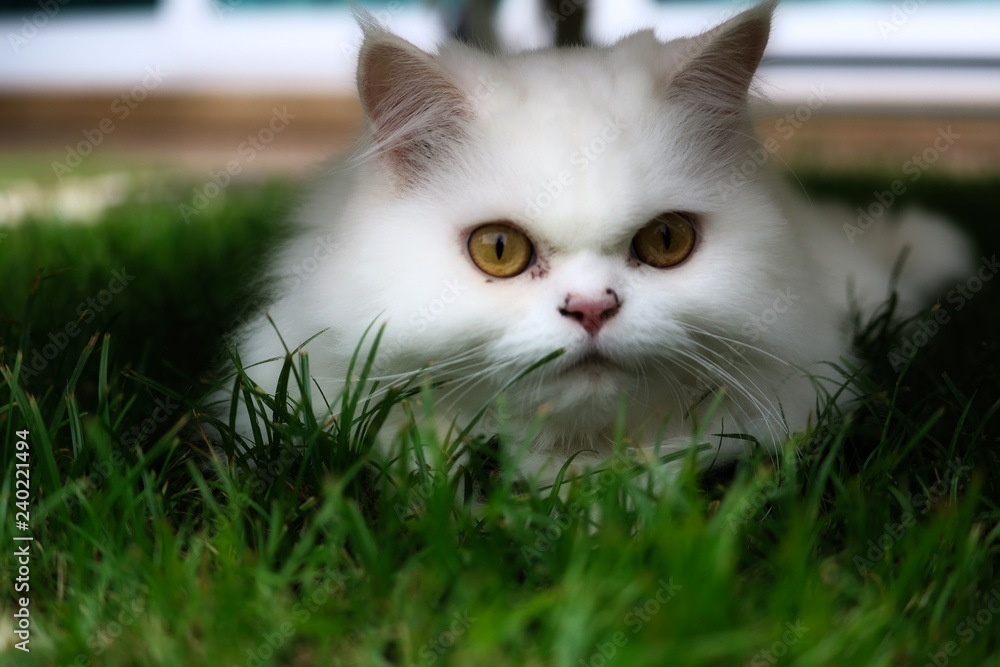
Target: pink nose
x=591 y=312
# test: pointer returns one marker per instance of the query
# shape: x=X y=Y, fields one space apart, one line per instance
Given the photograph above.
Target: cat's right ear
x=416 y=113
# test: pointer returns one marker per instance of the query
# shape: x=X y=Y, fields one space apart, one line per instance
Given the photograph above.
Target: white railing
x=933 y=54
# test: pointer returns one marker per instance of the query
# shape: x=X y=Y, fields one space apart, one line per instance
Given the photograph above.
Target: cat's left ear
x=415 y=110
x=713 y=70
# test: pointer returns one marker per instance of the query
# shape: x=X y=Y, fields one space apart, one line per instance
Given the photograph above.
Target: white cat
x=500 y=208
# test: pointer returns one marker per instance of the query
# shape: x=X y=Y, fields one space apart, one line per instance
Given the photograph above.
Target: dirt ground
x=204 y=132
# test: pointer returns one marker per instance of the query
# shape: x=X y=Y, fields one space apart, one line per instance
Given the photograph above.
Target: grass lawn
x=874 y=541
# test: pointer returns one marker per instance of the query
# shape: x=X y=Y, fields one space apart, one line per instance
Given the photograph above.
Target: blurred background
x=99 y=95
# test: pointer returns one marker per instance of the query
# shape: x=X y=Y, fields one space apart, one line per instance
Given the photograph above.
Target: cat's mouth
x=591 y=361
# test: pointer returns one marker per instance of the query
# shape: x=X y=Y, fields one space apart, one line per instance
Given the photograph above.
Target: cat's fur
x=580 y=148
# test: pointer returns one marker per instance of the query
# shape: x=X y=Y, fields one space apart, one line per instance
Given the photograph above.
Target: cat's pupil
x=499 y=246
x=665 y=233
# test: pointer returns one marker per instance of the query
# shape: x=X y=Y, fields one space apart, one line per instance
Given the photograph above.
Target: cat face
x=571 y=206
x=574 y=206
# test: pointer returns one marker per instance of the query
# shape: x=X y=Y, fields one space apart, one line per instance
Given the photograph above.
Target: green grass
x=871 y=543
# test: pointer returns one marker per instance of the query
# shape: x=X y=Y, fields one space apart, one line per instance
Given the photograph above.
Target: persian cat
x=502 y=207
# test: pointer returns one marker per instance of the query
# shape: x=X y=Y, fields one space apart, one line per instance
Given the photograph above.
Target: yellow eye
x=665 y=241
x=499 y=249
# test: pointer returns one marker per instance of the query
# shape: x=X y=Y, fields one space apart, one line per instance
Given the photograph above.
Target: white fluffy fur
x=384 y=237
